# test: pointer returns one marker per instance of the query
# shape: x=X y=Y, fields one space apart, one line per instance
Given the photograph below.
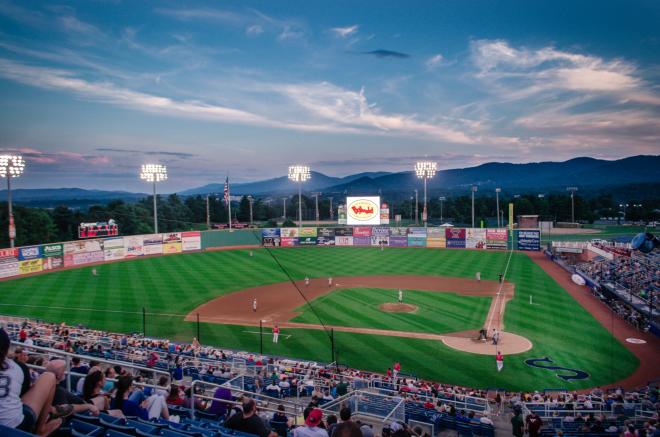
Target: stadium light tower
x=154 y=173
x=441 y=199
x=497 y=202
x=425 y=170
x=474 y=190
x=572 y=190
x=299 y=174
x=11 y=166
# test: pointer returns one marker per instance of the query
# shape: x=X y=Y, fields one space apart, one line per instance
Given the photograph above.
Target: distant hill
x=590 y=175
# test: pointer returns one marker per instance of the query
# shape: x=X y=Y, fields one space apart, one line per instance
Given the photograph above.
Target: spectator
x=218 y=407
x=152 y=407
x=533 y=423
x=93 y=390
x=280 y=422
x=21 y=358
x=248 y=421
x=63 y=396
x=312 y=427
x=77 y=367
x=342 y=387
x=517 y=423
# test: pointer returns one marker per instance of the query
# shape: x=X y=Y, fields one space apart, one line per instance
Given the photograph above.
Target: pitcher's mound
x=398 y=308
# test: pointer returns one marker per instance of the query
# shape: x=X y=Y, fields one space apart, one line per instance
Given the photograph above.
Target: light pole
x=299 y=174
x=441 y=199
x=624 y=206
x=316 y=205
x=284 y=208
x=416 y=208
x=154 y=173
x=250 y=200
x=572 y=190
x=411 y=208
x=425 y=170
x=11 y=166
x=332 y=213
x=497 y=204
x=474 y=190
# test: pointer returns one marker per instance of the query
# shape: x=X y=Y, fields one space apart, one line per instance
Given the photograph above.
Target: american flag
x=227 y=190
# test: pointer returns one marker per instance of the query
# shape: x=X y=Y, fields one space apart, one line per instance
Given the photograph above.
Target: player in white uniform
x=254 y=305
x=400 y=295
x=306 y=281
x=330 y=281
x=29 y=412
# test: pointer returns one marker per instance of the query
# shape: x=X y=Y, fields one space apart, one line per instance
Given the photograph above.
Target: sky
x=91 y=90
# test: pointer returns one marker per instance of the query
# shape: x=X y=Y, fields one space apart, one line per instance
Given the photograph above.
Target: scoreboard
x=98 y=229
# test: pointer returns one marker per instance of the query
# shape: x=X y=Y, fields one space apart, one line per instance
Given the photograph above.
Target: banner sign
x=361 y=241
x=289 y=232
x=152 y=244
x=172 y=243
x=8 y=265
x=28 y=253
x=436 y=242
x=79 y=259
x=50 y=250
x=362 y=231
x=529 y=239
x=343 y=232
x=363 y=210
x=191 y=241
x=53 y=262
x=326 y=232
x=271 y=241
x=417 y=232
x=398 y=232
x=325 y=241
x=30 y=266
x=380 y=240
x=113 y=249
x=343 y=240
x=380 y=231
x=288 y=241
x=455 y=243
x=475 y=238
x=398 y=241
x=307 y=241
x=341 y=215
x=455 y=233
x=133 y=246
x=416 y=241
x=435 y=232
x=384 y=214
x=496 y=238
x=270 y=232
x=307 y=232
x=13 y=252
x=82 y=246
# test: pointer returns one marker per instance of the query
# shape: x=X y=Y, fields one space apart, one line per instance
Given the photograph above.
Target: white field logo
x=363 y=210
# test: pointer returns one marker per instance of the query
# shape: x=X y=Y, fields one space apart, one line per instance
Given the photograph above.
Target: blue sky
x=92 y=89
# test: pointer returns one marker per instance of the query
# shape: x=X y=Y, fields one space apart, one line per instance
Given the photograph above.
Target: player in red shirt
x=276 y=333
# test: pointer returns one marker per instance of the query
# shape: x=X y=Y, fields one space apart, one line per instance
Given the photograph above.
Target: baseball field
x=171 y=289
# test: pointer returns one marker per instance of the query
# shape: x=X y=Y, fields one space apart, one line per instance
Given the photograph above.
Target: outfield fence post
x=261 y=337
x=199 y=338
x=332 y=345
x=144 y=322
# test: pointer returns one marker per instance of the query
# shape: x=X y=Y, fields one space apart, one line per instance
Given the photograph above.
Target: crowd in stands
x=41 y=403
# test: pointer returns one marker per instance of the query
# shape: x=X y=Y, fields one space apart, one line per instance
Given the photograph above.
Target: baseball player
x=276 y=333
x=400 y=295
x=499 y=361
x=306 y=281
x=254 y=305
x=330 y=281
x=496 y=337
x=478 y=276
x=251 y=254
x=94 y=273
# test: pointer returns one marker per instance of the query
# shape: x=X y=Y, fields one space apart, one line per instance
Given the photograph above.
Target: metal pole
x=10 y=210
x=332 y=344
x=572 y=208
x=208 y=213
x=425 y=210
x=411 y=209
x=155 y=210
x=144 y=322
x=316 y=196
x=250 y=200
x=332 y=213
x=198 y=336
x=473 y=207
x=300 y=204
x=284 y=208
x=416 y=208
x=261 y=338
x=497 y=201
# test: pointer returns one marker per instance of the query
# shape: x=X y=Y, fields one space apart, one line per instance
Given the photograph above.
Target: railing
x=460 y=402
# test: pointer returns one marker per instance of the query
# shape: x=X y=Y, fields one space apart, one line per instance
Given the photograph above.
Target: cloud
x=434 y=61
x=72 y=24
x=381 y=53
x=254 y=29
x=35 y=156
x=289 y=32
x=344 y=32
x=205 y=14
x=181 y=155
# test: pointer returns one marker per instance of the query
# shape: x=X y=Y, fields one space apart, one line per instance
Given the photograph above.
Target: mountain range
x=588 y=174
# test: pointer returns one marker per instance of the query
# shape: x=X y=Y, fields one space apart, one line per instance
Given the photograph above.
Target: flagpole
x=229 y=202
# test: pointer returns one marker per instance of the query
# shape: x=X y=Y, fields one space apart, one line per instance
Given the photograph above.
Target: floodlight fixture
x=425 y=170
x=11 y=166
x=154 y=173
x=299 y=174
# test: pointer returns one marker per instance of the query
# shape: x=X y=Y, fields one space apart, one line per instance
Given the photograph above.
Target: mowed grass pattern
x=171 y=286
x=437 y=313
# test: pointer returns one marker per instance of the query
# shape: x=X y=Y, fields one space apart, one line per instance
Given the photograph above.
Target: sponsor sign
x=496 y=238
x=172 y=248
x=307 y=241
x=435 y=232
x=529 y=239
x=307 y=232
x=30 y=266
x=362 y=231
x=344 y=232
x=361 y=241
x=53 y=262
x=384 y=214
x=289 y=232
x=79 y=259
x=380 y=240
x=363 y=210
x=416 y=241
x=325 y=241
x=341 y=214
x=343 y=240
x=13 y=252
x=171 y=243
x=417 y=232
x=455 y=243
x=172 y=237
x=270 y=241
x=436 y=242
x=270 y=232
x=326 y=232
x=82 y=246
x=50 y=250
x=191 y=241
x=8 y=266
x=455 y=233
x=133 y=246
x=28 y=253
x=395 y=231
x=398 y=241
x=380 y=231
x=475 y=238
x=113 y=249
x=152 y=244
x=288 y=241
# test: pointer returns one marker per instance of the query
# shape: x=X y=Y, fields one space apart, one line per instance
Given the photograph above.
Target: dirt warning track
x=276 y=304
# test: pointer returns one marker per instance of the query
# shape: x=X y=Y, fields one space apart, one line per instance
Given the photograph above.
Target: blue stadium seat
x=113 y=433
x=463 y=429
x=80 y=428
x=11 y=432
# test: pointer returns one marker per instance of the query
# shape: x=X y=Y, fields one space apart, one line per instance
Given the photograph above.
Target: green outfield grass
x=437 y=313
x=174 y=285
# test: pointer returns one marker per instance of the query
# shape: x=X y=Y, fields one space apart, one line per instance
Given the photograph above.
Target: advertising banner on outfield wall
x=79 y=259
x=270 y=241
x=133 y=246
x=380 y=231
x=455 y=238
x=53 y=256
x=361 y=241
x=191 y=241
x=417 y=232
x=496 y=238
x=152 y=244
x=380 y=240
x=362 y=231
x=29 y=252
x=172 y=243
x=384 y=214
x=307 y=232
x=435 y=232
x=113 y=248
x=288 y=241
x=528 y=239
x=326 y=232
x=436 y=242
x=325 y=241
x=270 y=232
x=398 y=241
x=289 y=232
x=8 y=262
x=363 y=210
x=307 y=241
x=416 y=241
x=341 y=215
x=475 y=238
x=341 y=240
x=398 y=232
x=82 y=246
x=30 y=266
x=343 y=232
